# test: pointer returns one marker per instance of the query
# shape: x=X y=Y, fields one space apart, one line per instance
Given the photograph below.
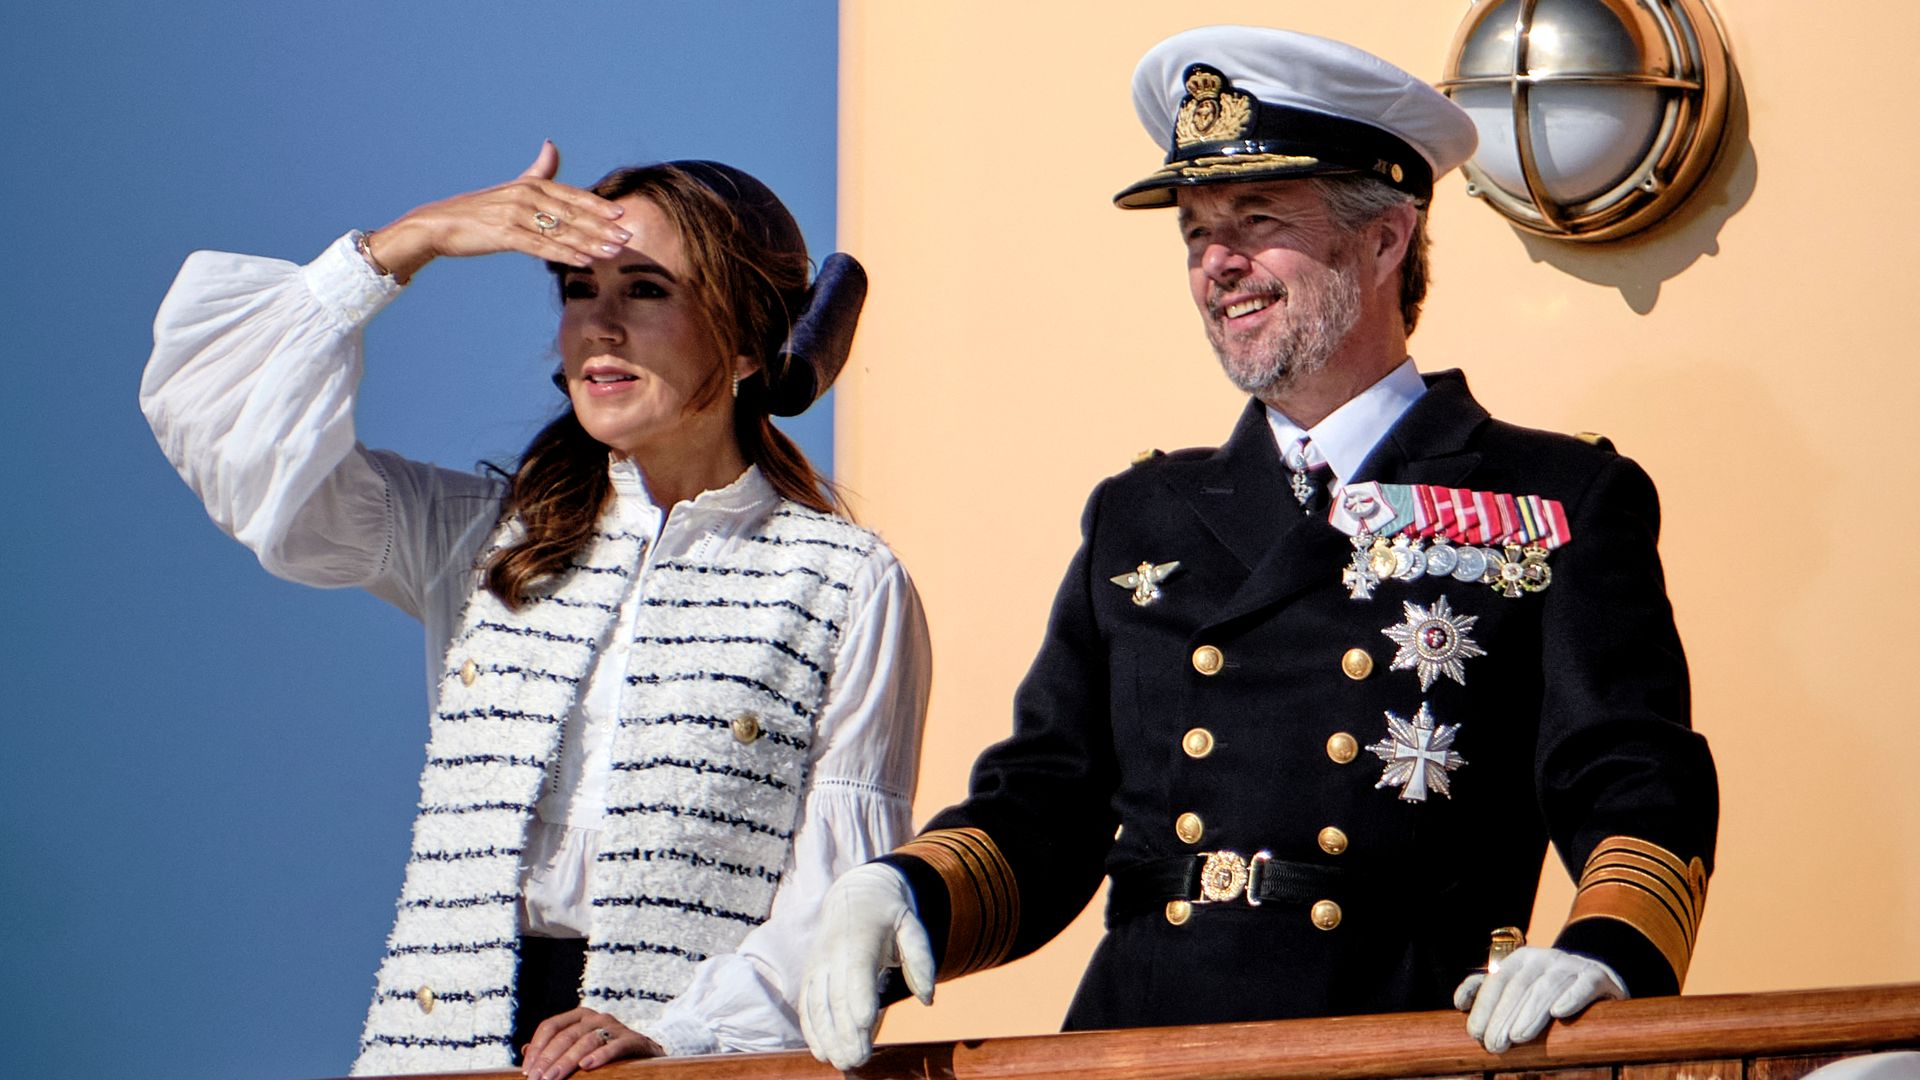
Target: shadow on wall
x=1638 y=264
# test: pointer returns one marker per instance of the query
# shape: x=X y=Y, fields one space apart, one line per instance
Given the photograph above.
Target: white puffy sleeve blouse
x=250 y=391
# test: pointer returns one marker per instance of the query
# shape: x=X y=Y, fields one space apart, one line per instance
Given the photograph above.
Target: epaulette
x=1594 y=438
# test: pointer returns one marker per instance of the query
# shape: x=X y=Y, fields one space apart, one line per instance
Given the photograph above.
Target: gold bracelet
x=362 y=244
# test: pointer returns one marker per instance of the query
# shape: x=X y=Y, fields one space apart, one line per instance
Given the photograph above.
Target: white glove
x=1532 y=987
x=867 y=926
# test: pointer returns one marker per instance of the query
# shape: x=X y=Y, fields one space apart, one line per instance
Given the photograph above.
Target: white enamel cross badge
x=1418 y=755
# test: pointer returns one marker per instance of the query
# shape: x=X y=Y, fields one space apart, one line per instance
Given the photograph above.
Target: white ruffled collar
x=747 y=492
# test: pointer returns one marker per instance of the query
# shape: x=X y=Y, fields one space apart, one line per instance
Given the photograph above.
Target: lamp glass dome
x=1587 y=138
x=1596 y=117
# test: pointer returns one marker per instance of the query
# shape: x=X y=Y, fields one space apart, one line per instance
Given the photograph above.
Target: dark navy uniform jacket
x=1574 y=728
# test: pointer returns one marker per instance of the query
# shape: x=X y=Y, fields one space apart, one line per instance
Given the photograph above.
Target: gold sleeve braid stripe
x=982 y=895
x=1647 y=887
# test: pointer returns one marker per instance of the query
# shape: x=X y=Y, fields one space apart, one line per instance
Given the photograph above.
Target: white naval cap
x=1233 y=103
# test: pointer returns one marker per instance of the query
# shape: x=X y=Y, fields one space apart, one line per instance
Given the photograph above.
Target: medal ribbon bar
x=1419 y=511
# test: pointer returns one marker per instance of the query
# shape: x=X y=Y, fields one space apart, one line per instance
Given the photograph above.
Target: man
x=1317 y=700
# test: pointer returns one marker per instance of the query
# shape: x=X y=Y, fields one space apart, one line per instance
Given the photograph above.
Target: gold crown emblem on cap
x=1212 y=110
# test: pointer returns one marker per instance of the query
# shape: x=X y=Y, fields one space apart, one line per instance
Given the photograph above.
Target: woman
x=674 y=694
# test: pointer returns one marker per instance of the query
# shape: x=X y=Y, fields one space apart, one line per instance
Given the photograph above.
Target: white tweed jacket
x=710 y=758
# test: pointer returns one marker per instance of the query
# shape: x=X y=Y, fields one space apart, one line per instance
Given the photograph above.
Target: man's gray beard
x=1320 y=314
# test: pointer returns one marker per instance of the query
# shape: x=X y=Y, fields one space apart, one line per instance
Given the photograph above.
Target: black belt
x=1217 y=877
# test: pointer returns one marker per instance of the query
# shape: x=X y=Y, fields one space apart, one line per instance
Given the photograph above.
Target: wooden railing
x=1776 y=1036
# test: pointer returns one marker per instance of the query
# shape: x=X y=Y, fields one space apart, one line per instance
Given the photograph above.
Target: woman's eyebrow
x=648 y=268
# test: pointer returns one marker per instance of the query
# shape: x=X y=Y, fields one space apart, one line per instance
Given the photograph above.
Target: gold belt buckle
x=1228 y=875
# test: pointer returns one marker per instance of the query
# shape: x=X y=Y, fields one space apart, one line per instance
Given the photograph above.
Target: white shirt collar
x=748 y=491
x=1350 y=432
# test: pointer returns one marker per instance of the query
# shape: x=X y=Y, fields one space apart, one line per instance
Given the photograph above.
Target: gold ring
x=546 y=223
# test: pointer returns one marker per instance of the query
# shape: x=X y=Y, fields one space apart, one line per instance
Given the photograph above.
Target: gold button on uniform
x=746 y=727
x=1357 y=664
x=469 y=671
x=1178 y=912
x=1198 y=743
x=1332 y=840
x=1342 y=747
x=1326 y=914
x=424 y=996
x=1189 y=828
x=1207 y=660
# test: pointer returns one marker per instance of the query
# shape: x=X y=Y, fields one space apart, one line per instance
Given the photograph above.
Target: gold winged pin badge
x=1145 y=580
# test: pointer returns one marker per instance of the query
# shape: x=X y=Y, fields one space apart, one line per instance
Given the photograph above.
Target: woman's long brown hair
x=751 y=287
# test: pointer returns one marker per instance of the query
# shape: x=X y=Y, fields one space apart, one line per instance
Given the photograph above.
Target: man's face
x=1276 y=280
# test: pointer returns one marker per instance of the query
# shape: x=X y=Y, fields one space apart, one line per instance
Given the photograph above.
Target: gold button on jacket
x=746 y=727
x=1208 y=660
x=1357 y=664
x=424 y=996
x=1342 y=747
x=1178 y=912
x=1326 y=914
x=468 y=672
x=1189 y=828
x=1332 y=840
x=1198 y=743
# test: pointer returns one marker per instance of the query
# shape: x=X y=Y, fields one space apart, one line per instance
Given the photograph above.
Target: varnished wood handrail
x=1365 y=1047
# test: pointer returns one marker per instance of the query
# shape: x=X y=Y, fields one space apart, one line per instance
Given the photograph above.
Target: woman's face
x=634 y=344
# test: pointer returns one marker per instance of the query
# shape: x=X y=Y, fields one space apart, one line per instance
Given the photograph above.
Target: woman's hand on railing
x=582 y=1039
x=532 y=213
x=1530 y=989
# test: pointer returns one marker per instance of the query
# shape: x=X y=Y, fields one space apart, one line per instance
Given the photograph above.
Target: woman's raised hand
x=530 y=213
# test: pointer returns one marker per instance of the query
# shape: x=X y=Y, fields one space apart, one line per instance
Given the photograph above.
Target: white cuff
x=346 y=286
x=680 y=1036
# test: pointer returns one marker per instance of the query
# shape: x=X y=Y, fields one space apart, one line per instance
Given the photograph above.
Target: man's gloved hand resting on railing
x=1529 y=989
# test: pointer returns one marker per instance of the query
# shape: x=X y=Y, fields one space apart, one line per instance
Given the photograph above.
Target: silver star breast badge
x=1418 y=755
x=1434 y=642
x=1145 y=580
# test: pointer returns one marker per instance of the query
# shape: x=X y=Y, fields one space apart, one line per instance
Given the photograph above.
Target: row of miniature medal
x=1512 y=569
x=1502 y=540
